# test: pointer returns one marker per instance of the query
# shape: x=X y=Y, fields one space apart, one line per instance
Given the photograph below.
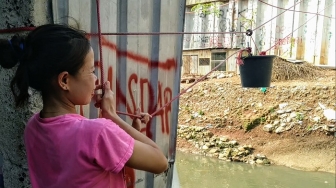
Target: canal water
x=195 y=171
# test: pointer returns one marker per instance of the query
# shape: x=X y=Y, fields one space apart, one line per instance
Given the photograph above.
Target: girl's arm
x=146 y=155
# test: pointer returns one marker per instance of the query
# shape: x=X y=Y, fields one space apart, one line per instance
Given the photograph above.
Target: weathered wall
x=20 y=13
x=306 y=31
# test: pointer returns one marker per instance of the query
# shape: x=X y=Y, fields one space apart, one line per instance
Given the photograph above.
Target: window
x=204 y=61
x=216 y=59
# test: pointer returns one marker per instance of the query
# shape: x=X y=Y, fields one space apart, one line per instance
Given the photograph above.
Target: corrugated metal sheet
x=306 y=31
x=144 y=71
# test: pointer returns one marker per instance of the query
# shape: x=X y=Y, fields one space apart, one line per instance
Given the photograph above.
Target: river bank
x=292 y=123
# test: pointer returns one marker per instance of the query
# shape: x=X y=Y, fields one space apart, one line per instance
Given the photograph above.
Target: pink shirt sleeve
x=114 y=147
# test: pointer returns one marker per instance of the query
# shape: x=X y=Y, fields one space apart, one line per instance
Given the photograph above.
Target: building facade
x=215 y=30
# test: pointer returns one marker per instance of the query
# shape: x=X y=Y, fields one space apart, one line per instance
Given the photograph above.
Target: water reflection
x=203 y=172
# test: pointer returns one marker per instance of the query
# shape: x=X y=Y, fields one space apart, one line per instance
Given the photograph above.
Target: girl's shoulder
x=98 y=124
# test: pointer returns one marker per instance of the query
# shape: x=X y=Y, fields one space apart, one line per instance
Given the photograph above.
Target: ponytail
x=20 y=85
x=11 y=52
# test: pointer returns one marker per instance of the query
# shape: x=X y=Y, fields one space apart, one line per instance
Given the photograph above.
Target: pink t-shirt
x=73 y=151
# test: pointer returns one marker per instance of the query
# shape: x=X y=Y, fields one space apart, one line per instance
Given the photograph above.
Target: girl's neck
x=53 y=107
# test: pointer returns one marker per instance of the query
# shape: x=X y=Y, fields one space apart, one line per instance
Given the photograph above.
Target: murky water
x=203 y=172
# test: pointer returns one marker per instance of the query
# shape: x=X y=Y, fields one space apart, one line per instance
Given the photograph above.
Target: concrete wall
x=20 y=13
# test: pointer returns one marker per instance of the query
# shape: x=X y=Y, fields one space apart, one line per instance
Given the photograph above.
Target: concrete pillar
x=19 y=13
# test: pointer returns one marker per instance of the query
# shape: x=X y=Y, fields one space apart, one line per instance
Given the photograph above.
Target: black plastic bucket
x=256 y=71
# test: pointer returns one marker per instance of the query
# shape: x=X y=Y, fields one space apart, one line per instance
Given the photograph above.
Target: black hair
x=46 y=51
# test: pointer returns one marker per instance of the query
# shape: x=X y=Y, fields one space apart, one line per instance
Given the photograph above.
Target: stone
x=289 y=119
x=223 y=139
x=329 y=128
x=205 y=147
x=227 y=152
x=266 y=162
x=330 y=114
x=280 y=112
x=208 y=126
x=290 y=126
x=221 y=76
x=282 y=105
x=292 y=115
x=282 y=116
x=251 y=162
x=283 y=125
x=241 y=153
x=236 y=159
x=241 y=148
x=280 y=129
x=213 y=150
x=276 y=123
x=233 y=142
x=268 y=128
x=260 y=156
x=259 y=161
x=221 y=156
x=316 y=119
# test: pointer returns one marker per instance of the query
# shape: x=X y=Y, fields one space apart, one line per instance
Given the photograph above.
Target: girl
x=63 y=148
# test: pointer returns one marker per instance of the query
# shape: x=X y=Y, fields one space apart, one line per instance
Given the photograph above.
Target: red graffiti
x=163 y=97
x=169 y=64
x=285 y=41
x=129 y=177
x=81 y=111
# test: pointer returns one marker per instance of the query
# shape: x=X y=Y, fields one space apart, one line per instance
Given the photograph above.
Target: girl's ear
x=63 y=80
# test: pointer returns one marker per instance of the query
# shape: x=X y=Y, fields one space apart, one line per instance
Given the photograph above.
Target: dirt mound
x=284 y=70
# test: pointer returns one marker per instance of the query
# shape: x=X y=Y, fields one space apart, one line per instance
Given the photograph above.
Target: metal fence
x=144 y=70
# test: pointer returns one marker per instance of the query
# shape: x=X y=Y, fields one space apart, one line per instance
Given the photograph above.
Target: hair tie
x=20 y=45
x=10 y=42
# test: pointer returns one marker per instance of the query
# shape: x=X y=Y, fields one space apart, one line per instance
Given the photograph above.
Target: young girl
x=63 y=148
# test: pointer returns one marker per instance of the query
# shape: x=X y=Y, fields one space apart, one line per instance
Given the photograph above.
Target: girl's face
x=82 y=85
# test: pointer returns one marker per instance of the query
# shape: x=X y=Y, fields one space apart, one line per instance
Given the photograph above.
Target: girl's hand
x=145 y=117
x=106 y=102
